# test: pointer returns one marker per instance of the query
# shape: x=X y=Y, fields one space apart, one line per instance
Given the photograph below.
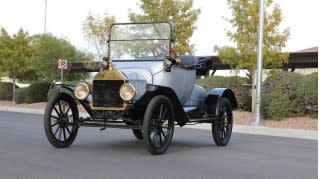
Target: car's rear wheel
x=158 y=125
x=222 y=126
x=60 y=119
x=138 y=133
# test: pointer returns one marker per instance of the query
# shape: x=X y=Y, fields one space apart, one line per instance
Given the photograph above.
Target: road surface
x=115 y=153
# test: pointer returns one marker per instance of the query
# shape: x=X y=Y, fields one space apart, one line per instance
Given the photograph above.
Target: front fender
x=152 y=91
x=69 y=89
x=213 y=99
x=58 y=86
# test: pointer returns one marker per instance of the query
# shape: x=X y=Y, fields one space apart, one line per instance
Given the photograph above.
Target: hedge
x=287 y=94
x=37 y=92
x=6 y=91
x=235 y=83
x=19 y=96
x=309 y=99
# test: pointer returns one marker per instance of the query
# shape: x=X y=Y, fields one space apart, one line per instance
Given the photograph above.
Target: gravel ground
x=305 y=122
x=240 y=117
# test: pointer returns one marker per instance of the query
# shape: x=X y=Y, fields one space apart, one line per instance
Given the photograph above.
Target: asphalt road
x=115 y=153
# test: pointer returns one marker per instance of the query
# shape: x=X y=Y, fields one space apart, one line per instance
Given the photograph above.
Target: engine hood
x=137 y=74
x=139 y=78
x=139 y=70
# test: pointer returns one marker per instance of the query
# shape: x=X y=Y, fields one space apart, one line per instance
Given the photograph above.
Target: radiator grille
x=106 y=93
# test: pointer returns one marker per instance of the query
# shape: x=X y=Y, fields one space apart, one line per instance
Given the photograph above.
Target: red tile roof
x=312 y=49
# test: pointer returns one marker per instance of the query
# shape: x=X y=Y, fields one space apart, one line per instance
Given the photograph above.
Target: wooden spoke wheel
x=158 y=125
x=60 y=119
x=222 y=127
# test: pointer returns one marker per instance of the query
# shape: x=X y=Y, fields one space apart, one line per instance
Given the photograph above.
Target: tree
x=244 y=32
x=96 y=31
x=244 y=22
x=48 y=50
x=15 y=55
x=179 y=13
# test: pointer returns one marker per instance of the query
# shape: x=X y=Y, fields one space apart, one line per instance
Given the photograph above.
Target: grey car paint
x=180 y=80
x=197 y=97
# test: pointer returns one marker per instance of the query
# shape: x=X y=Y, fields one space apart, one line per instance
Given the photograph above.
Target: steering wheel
x=159 y=50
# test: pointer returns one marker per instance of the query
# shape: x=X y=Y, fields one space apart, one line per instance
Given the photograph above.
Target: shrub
x=287 y=94
x=6 y=91
x=309 y=99
x=37 y=92
x=275 y=105
x=235 y=83
x=19 y=96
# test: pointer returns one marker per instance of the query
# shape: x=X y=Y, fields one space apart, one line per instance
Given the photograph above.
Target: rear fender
x=213 y=99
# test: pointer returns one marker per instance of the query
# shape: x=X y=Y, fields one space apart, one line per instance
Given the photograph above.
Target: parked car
x=143 y=86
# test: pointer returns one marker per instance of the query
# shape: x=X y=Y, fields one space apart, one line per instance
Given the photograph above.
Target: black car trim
x=213 y=99
x=70 y=91
x=152 y=91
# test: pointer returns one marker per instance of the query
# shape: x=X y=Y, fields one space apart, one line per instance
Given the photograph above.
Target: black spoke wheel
x=60 y=119
x=222 y=126
x=138 y=133
x=158 y=125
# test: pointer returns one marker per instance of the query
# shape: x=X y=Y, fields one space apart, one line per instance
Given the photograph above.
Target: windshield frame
x=170 y=39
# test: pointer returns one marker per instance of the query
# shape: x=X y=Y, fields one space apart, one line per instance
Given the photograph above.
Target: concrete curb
x=22 y=110
x=267 y=131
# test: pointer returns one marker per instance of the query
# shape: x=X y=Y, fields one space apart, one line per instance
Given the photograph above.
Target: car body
x=144 y=86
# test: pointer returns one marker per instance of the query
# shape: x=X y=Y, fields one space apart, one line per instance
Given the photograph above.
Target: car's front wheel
x=158 y=125
x=222 y=126
x=60 y=119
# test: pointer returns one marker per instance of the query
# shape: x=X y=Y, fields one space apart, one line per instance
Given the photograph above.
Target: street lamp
x=45 y=16
x=257 y=121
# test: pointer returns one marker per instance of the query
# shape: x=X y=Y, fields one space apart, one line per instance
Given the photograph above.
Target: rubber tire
x=215 y=128
x=52 y=139
x=138 y=133
x=147 y=121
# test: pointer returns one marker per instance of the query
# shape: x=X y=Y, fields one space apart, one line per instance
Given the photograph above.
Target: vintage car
x=143 y=86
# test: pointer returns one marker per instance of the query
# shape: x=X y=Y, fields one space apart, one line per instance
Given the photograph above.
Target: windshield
x=141 y=41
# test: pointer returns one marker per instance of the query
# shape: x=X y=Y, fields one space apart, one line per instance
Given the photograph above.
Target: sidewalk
x=267 y=131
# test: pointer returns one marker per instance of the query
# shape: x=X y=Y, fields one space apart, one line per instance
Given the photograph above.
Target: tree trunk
x=253 y=90
x=13 y=88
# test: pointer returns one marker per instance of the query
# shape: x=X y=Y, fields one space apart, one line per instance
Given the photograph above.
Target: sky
x=65 y=19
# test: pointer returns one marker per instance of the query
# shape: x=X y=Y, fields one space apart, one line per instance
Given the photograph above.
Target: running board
x=106 y=123
x=102 y=125
x=201 y=120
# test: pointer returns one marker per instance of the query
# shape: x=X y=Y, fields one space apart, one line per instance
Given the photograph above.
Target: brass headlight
x=81 y=91
x=127 y=91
